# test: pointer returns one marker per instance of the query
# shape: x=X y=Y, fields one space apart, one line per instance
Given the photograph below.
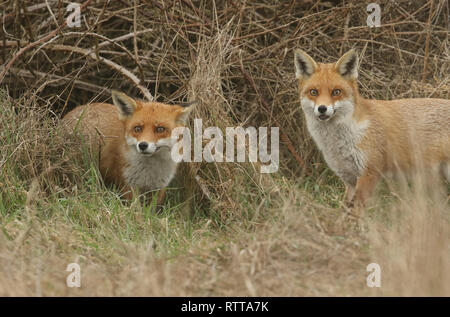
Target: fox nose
x=143 y=146
x=322 y=109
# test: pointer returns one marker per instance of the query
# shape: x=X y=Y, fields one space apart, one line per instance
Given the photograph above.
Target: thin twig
x=427 y=43
x=59 y=80
x=107 y=62
x=35 y=43
x=266 y=108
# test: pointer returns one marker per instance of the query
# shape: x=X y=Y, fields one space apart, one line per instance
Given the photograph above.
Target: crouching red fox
x=134 y=140
x=363 y=139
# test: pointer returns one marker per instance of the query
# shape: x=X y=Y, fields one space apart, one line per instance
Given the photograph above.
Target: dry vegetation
x=225 y=229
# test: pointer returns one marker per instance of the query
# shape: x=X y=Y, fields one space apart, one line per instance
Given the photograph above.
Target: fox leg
x=161 y=196
x=128 y=193
x=349 y=194
x=364 y=189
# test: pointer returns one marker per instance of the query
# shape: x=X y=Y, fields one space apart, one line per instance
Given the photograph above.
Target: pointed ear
x=184 y=111
x=347 y=65
x=126 y=105
x=305 y=66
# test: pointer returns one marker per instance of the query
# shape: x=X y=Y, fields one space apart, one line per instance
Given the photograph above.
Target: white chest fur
x=149 y=172
x=338 y=140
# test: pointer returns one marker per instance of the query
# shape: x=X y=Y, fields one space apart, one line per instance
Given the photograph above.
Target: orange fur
x=377 y=137
x=107 y=128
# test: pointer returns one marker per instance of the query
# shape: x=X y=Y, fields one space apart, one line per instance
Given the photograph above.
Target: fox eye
x=137 y=128
x=160 y=129
x=314 y=92
x=336 y=92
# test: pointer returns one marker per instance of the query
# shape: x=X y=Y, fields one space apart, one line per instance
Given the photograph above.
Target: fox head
x=148 y=125
x=327 y=91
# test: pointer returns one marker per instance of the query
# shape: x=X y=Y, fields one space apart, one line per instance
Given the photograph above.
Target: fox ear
x=126 y=105
x=347 y=65
x=183 y=113
x=305 y=66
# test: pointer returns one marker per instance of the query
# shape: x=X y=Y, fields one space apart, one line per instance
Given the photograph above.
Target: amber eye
x=160 y=129
x=314 y=92
x=137 y=129
x=336 y=92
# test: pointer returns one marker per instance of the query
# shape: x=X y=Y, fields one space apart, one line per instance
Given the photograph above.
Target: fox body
x=363 y=139
x=133 y=138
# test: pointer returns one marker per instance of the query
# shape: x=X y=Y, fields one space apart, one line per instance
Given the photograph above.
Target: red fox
x=363 y=139
x=134 y=138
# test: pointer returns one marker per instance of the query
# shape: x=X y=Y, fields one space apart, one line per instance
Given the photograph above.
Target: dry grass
x=247 y=234
x=414 y=249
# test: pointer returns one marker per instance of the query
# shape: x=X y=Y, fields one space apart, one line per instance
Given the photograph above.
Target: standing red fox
x=363 y=139
x=134 y=138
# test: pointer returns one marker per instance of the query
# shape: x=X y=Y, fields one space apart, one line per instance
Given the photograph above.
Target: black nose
x=143 y=146
x=322 y=109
